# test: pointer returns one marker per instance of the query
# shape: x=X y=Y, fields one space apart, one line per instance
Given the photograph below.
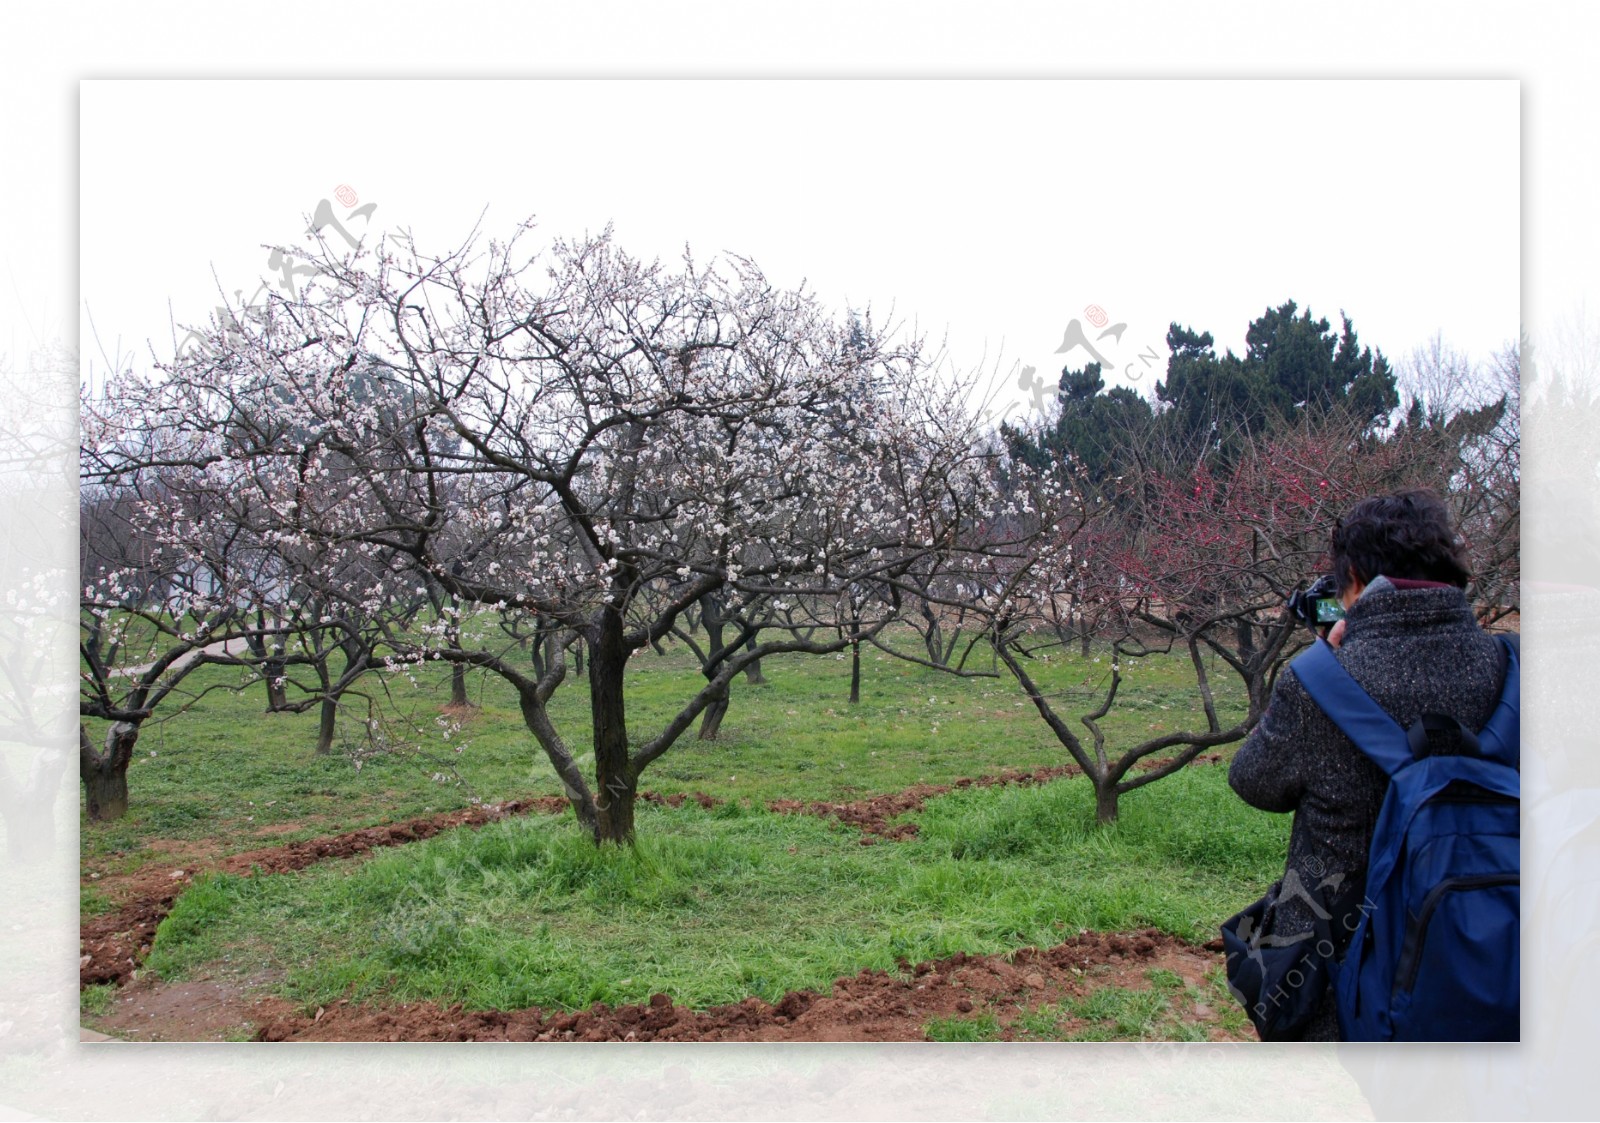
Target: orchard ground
x=921 y=865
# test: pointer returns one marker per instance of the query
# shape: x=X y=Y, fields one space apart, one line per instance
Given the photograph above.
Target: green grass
x=983 y=1027
x=1121 y=1013
x=1112 y=1014
x=713 y=906
x=1041 y=1023
x=93 y=902
x=1163 y=979
x=1108 y=1013
x=1220 y=998
x=226 y=773
x=95 y=1001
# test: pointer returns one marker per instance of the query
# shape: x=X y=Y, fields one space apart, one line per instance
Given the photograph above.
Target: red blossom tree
x=1188 y=558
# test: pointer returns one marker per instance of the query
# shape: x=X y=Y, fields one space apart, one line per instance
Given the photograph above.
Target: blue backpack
x=1435 y=953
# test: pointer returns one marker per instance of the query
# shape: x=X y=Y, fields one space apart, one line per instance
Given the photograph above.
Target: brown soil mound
x=873 y=815
x=869 y=1006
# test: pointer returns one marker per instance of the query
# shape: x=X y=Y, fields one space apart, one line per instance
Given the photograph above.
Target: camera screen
x=1328 y=610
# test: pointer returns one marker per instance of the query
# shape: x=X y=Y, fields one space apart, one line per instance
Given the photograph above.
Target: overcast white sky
x=988 y=212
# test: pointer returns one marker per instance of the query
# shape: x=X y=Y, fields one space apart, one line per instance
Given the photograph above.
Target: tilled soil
x=869 y=1006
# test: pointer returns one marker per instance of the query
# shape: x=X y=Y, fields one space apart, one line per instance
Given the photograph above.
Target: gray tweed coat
x=1415 y=650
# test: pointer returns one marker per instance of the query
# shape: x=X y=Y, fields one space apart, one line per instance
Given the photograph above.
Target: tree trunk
x=277 y=696
x=1247 y=641
x=752 y=671
x=934 y=639
x=105 y=773
x=855 y=673
x=614 y=780
x=711 y=617
x=538 y=723
x=458 y=686
x=545 y=654
x=330 y=708
x=272 y=669
x=325 y=726
x=711 y=718
x=1105 y=803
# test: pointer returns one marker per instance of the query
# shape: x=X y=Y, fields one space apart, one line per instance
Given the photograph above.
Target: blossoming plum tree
x=601 y=451
x=161 y=599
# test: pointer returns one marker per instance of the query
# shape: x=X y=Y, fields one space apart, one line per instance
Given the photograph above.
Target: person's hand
x=1336 y=634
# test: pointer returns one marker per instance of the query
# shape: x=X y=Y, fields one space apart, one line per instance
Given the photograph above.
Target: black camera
x=1317 y=607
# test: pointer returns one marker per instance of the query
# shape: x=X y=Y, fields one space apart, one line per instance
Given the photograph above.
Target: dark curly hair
x=1407 y=534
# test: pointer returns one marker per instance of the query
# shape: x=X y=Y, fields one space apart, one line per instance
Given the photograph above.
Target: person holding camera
x=1409 y=638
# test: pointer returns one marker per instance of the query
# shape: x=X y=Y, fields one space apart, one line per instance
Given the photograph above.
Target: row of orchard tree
x=1222 y=490
x=519 y=462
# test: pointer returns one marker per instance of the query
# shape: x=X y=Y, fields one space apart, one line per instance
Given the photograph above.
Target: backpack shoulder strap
x=1352 y=709
x=1501 y=738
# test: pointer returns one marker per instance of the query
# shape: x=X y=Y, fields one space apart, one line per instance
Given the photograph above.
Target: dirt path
x=1027 y=995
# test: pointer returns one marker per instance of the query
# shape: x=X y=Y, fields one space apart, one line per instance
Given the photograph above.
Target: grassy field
x=713 y=905
x=225 y=770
